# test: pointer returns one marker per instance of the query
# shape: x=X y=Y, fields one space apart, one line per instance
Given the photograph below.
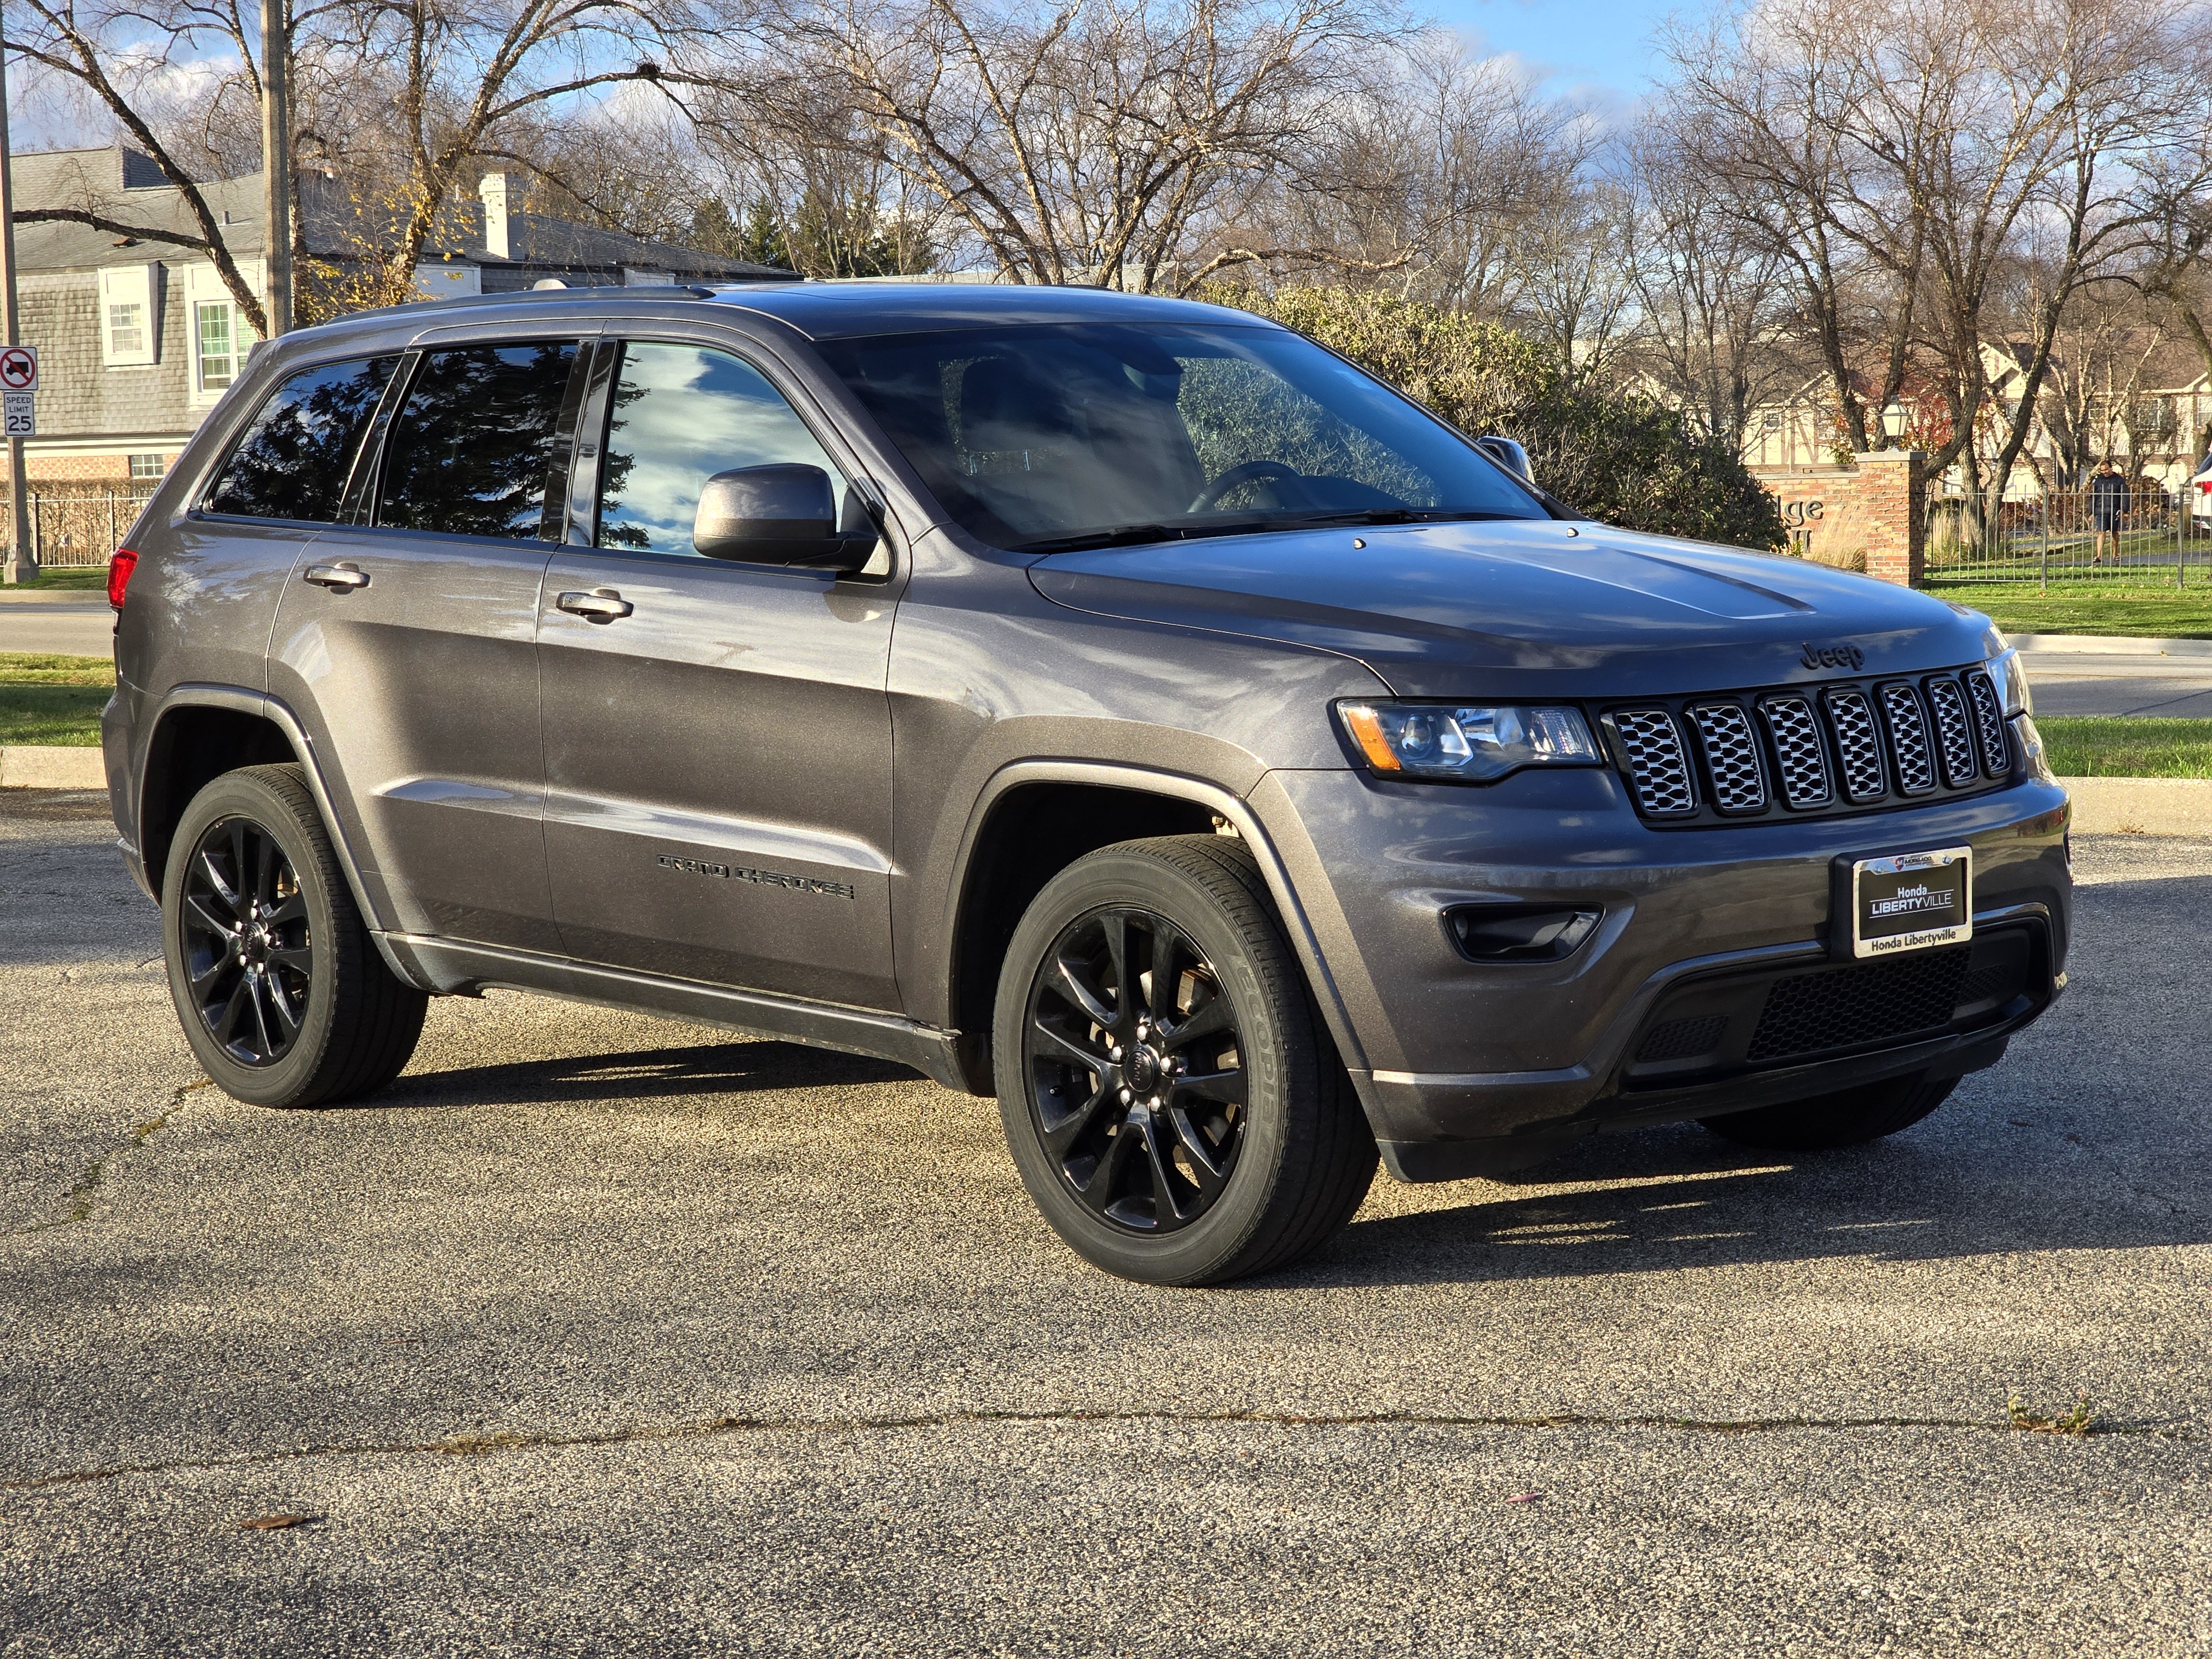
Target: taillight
x=120 y=564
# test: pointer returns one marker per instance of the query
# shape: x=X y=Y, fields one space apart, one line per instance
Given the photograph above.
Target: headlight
x=2011 y=682
x=1471 y=745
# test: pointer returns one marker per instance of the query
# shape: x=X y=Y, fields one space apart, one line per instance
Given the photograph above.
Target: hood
x=1527 y=610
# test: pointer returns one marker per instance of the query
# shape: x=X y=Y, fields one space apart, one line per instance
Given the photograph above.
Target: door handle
x=340 y=577
x=601 y=605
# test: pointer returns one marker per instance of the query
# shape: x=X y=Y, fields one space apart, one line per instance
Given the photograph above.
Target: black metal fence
x=2143 y=536
x=74 y=526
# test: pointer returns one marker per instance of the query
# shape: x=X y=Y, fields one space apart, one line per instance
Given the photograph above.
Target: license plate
x=1911 y=901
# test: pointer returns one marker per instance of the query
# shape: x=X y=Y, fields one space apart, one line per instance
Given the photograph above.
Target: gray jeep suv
x=1124 y=708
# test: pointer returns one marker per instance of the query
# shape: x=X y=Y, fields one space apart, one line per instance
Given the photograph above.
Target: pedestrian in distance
x=2108 y=504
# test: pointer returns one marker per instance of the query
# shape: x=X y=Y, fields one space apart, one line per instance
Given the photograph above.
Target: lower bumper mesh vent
x=1865 y=1002
x=1679 y=1039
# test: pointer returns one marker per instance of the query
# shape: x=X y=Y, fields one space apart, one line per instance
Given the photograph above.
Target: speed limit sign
x=19 y=368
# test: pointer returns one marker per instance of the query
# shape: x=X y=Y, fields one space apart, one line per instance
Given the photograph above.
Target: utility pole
x=22 y=561
x=276 y=159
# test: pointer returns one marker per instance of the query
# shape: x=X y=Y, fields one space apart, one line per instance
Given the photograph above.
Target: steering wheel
x=1239 y=474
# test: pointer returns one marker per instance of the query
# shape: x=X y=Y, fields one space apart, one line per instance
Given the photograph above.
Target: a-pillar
x=1893 y=515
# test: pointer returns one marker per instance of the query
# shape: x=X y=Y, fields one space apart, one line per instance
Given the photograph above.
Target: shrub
x=1618 y=456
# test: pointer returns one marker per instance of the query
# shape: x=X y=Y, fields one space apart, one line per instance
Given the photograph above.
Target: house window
x=127 y=330
x=1771 y=422
x=148 y=466
x=215 y=334
x=130 y=315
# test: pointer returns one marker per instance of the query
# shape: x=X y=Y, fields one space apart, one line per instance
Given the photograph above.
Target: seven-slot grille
x=1844 y=748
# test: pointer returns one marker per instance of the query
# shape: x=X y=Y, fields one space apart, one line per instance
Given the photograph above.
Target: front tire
x=1169 y=1095
x=278 y=986
x=1848 y=1117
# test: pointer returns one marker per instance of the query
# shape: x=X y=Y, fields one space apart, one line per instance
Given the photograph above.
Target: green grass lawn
x=46 y=699
x=2089 y=747
x=2084 y=607
x=72 y=578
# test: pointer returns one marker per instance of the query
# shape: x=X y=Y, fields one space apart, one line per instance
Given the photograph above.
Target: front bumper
x=1471 y=1068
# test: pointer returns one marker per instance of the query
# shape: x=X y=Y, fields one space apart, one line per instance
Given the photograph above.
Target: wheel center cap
x=257 y=946
x=1143 y=1068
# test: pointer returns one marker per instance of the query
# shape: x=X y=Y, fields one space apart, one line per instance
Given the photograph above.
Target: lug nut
x=1125 y=1096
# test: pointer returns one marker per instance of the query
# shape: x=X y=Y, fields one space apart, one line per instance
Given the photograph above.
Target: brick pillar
x=1894 y=517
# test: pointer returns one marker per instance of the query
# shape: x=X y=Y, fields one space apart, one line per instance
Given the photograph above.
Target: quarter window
x=679 y=415
x=292 y=461
x=476 y=448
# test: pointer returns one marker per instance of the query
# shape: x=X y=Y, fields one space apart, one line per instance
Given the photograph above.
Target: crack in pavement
x=80 y=1195
x=480 y=1445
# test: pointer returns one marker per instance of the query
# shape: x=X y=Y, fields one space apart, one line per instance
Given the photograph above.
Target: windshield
x=1055 y=437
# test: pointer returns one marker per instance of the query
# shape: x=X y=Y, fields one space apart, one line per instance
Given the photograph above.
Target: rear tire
x=281 y=991
x=1187 y=1127
x=1848 y=1117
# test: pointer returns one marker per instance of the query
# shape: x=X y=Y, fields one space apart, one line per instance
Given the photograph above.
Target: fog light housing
x=1519 y=932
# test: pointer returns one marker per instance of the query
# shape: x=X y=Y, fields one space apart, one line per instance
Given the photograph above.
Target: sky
x=1601 y=47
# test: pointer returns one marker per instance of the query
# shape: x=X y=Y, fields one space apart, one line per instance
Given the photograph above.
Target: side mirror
x=1509 y=454
x=779 y=515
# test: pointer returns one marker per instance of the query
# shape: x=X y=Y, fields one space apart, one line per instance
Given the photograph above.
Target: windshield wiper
x=1127 y=535
x=1133 y=535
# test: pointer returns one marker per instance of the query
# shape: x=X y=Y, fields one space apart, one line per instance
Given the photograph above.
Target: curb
x=2109 y=645
x=51 y=766
x=2140 y=806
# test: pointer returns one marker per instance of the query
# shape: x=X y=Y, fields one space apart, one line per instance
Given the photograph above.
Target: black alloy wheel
x=1135 y=1067
x=248 y=956
x=278 y=980
x=1170 y=1095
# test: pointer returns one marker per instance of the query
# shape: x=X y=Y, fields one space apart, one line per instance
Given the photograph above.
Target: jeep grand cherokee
x=1125 y=708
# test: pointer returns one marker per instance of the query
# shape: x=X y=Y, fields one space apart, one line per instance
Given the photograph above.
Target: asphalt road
x=74 y=627
x=2097 y=683
x=603 y=1334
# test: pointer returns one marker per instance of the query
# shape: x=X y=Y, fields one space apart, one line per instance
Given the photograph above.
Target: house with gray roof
x=138 y=337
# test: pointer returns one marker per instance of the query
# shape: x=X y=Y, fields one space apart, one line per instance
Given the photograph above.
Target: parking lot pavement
x=2095 y=683
x=602 y=1334
x=75 y=629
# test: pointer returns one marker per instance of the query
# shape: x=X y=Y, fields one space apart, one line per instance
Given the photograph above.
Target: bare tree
x=1764 y=111
x=1718 y=327
x=1432 y=168
x=1116 y=142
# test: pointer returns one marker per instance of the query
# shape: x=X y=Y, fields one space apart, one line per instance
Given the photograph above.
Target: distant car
x=2199 y=490
x=1120 y=706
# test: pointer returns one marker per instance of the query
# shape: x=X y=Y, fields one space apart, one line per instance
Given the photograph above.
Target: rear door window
x=292 y=459
x=679 y=415
x=476 y=449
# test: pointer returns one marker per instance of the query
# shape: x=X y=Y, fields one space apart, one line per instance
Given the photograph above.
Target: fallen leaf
x=1524 y=1498
x=273 y=1522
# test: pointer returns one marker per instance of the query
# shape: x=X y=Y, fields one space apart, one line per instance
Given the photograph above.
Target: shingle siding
x=78 y=397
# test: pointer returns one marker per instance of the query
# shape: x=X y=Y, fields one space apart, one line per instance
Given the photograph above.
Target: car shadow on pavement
x=644 y=1074
x=1672 y=1200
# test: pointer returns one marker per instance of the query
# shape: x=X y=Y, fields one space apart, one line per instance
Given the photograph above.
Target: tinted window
x=474 y=449
x=679 y=415
x=1032 y=433
x=292 y=461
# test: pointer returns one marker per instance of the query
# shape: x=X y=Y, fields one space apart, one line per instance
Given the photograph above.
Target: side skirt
x=448 y=969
